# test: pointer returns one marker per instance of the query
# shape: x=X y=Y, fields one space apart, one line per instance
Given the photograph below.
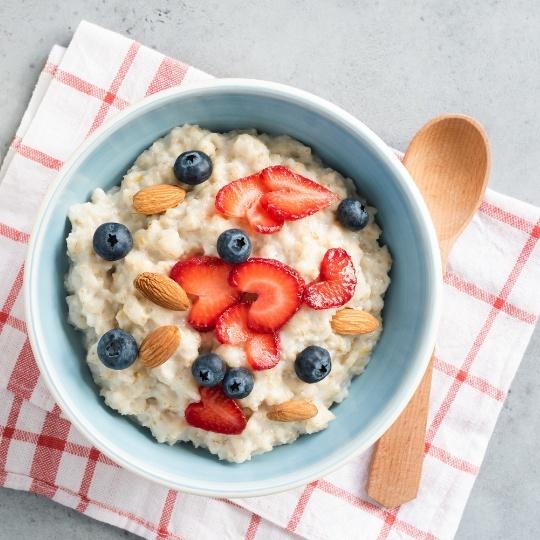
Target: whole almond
x=156 y=199
x=350 y=321
x=292 y=411
x=158 y=346
x=162 y=290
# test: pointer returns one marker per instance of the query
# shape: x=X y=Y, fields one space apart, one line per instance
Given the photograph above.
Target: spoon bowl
x=449 y=161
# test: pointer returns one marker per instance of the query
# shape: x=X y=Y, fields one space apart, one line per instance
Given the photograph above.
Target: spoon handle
x=399 y=453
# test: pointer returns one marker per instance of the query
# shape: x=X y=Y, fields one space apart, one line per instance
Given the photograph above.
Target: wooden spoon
x=449 y=160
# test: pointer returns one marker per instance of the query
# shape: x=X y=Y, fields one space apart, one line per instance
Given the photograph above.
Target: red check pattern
x=40 y=451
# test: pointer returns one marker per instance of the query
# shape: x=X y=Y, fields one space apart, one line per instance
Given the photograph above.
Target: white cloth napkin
x=491 y=304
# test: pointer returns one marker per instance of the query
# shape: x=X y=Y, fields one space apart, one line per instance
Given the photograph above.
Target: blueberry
x=112 y=241
x=193 y=167
x=208 y=369
x=238 y=383
x=234 y=246
x=117 y=349
x=313 y=364
x=352 y=214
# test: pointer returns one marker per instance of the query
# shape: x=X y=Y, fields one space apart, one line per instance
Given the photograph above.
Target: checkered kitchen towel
x=491 y=305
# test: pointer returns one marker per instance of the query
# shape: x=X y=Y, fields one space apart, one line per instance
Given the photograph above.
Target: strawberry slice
x=234 y=199
x=278 y=288
x=262 y=350
x=336 y=283
x=207 y=278
x=231 y=327
x=242 y=199
x=216 y=412
x=292 y=196
x=261 y=220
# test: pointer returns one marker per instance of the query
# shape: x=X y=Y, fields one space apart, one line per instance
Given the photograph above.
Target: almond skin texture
x=292 y=411
x=351 y=322
x=157 y=199
x=158 y=346
x=162 y=290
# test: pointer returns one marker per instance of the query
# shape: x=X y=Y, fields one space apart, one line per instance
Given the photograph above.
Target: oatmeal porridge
x=228 y=290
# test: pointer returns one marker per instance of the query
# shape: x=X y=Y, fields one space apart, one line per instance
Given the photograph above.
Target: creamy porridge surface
x=101 y=295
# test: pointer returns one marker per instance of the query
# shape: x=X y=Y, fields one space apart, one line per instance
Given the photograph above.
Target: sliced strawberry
x=292 y=205
x=207 y=278
x=216 y=412
x=231 y=327
x=234 y=199
x=262 y=350
x=278 y=288
x=261 y=220
x=278 y=177
x=292 y=196
x=336 y=283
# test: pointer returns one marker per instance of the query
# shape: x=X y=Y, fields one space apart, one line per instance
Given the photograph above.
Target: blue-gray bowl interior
x=406 y=313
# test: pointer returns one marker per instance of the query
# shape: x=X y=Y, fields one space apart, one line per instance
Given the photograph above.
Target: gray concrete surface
x=393 y=64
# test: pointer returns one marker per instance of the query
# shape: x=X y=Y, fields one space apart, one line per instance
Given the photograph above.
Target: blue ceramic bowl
x=410 y=314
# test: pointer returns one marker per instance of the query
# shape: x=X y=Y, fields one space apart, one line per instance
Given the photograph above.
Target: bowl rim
x=434 y=277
